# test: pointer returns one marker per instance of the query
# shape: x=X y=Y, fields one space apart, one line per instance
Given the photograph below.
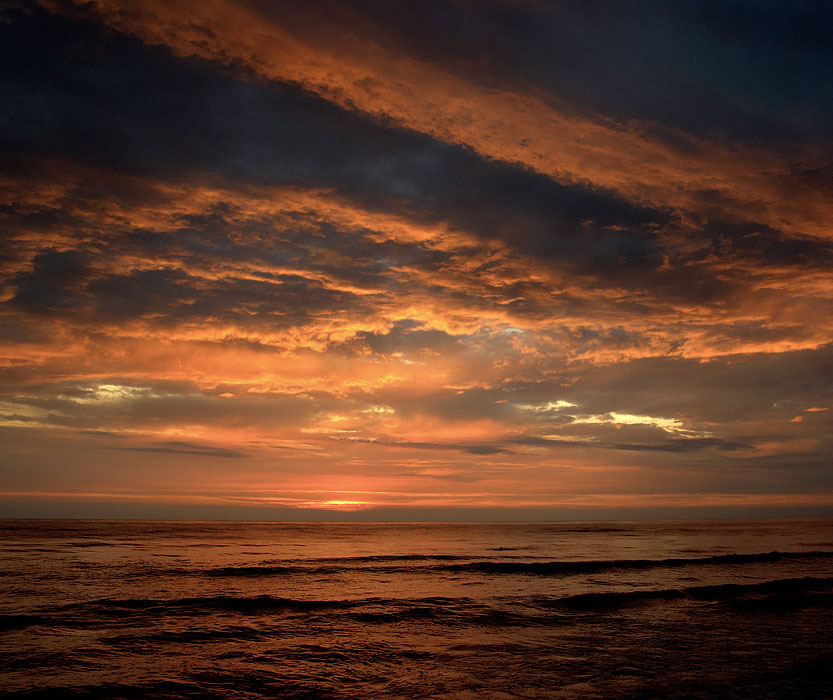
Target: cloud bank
x=448 y=256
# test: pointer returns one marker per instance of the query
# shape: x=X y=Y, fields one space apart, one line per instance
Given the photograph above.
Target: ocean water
x=118 y=609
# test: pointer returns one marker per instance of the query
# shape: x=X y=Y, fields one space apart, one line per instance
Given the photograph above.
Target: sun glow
x=339 y=505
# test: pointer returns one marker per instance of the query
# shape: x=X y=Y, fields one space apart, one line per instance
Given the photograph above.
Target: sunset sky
x=438 y=259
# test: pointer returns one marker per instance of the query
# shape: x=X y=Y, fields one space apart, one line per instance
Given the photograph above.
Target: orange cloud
x=535 y=130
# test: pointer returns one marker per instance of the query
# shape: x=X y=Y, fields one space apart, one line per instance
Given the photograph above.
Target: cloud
x=474 y=449
x=638 y=158
x=674 y=445
x=185 y=448
x=52 y=283
x=682 y=445
x=685 y=68
x=273 y=133
x=392 y=265
x=406 y=336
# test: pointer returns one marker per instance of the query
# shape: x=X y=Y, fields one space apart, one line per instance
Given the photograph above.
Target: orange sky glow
x=274 y=261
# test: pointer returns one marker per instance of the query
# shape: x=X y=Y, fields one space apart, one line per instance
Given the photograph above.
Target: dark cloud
x=102 y=98
x=118 y=104
x=746 y=70
x=681 y=445
x=185 y=448
x=52 y=283
x=174 y=296
x=113 y=404
x=169 y=296
x=760 y=244
x=673 y=445
x=728 y=389
x=467 y=447
x=407 y=336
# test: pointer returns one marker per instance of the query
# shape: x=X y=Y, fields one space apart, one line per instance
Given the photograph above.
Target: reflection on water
x=251 y=610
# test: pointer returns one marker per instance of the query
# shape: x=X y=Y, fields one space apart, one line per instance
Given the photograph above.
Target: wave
x=462 y=611
x=785 y=602
x=248 y=605
x=389 y=557
x=485 y=617
x=255 y=571
x=16 y=622
x=245 y=604
x=106 y=691
x=326 y=565
x=91 y=613
x=198 y=636
x=567 y=568
x=792 y=591
x=464 y=564
x=766 y=596
x=260 y=571
x=508 y=564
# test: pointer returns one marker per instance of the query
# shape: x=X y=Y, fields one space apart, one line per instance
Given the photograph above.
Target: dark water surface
x=118 y=609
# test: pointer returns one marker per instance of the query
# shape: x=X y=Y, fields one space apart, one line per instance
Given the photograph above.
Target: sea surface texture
x=728 y=609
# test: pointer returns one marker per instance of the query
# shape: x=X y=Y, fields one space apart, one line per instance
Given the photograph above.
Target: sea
x=141 y=609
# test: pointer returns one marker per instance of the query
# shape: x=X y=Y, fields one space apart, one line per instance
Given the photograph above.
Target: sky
x=442 y=259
